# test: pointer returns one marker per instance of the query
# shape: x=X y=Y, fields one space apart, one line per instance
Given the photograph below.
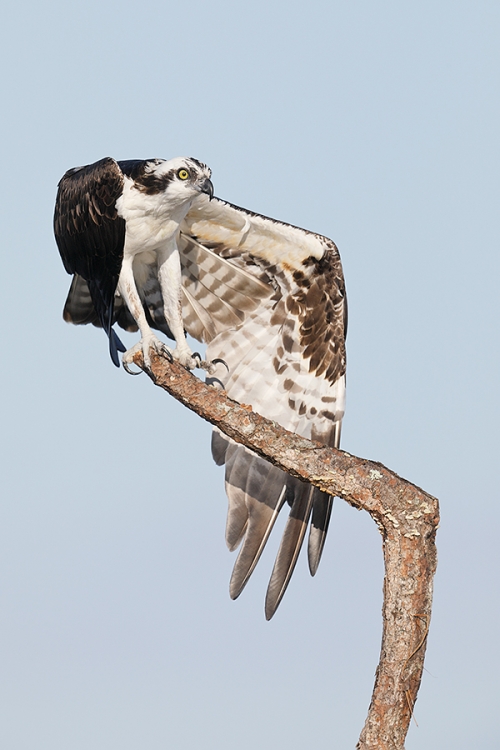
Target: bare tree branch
x=406 y=516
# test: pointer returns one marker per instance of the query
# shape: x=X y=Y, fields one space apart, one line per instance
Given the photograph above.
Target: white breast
x=152 y=222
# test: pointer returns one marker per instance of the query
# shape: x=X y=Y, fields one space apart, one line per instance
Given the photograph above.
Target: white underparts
x=152 y=232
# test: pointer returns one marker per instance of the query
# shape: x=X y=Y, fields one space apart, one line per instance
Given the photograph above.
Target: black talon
x=130 y=372
x=165 y=351
x=215 y=383
x=197 y=357
x=218 y=361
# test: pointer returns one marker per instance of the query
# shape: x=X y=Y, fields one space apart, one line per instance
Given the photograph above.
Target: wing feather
x=320 y=520
x=291 y=543
x=226 y=292
x=267 y=484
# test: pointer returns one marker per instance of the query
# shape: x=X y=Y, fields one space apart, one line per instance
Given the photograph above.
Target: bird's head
x=181 y=180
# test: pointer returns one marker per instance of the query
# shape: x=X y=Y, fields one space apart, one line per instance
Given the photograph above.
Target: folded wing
x=90 y=236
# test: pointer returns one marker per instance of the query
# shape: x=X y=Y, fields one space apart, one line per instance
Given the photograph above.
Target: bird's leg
x=128 y=290
x=170 y=277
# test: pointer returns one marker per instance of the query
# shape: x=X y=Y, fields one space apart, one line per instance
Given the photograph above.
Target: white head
x=181 y=179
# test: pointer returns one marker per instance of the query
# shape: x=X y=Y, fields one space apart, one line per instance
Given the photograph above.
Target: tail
x=80 y=310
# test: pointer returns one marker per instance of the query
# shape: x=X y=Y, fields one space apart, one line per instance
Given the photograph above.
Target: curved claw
x=219 y=361
x=130 y=372
x=197 y=357
x=166 y=352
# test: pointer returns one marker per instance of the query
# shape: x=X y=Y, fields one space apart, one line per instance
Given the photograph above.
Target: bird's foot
x=191 y=360
x=144 y=346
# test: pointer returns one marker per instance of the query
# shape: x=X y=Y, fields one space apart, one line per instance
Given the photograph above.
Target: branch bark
x=406 y=516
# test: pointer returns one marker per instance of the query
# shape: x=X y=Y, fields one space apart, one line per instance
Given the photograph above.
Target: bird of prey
x=150 y=247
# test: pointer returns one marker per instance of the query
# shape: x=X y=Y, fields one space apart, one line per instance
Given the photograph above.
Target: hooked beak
x=205 y=186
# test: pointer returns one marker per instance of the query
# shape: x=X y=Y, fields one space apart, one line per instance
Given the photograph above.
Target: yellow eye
x=182 y=174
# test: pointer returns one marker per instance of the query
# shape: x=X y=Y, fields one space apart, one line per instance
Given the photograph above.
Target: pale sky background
x=375 y=123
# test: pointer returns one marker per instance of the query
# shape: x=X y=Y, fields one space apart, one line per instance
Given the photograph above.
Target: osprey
x=149 y=247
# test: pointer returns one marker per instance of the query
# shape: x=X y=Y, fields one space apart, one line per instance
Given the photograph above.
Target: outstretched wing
x=269 y=298
x=90 y=236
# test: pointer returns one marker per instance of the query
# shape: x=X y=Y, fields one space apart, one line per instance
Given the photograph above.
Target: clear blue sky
x=375 y=123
